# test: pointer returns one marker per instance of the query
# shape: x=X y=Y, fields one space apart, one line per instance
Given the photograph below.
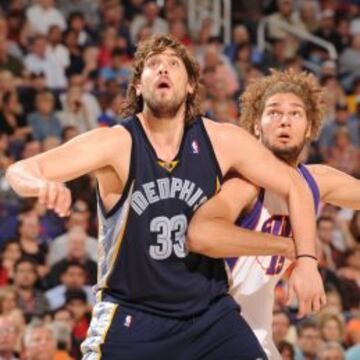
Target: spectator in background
x=117 y=70
x=78 y=26
x=76 y=251
x=8 y=300
x=334 y=95
x=75 y=52
x=240 y=36
x=63 y=318
x=39 y=341
x=351 y=265
x=12 y=122
x=44 y=121
x=7 y=339
x=222 y=68
x=328 y=254
x=342 y=120
x=309 y=340
x=280 y=326
x=73 y=278
x=39 y=60
x=307 y=14
x=77 y=303
x=349 y=59
x=331 y=350
x=8 y=61
x=88 y=9
x=286 y=350
x=80 y=216
x=343 y=155
x=69 y=132
x=10 y=254
x=43 y=15
x=76 y=111
x=149 y=17
x=355 y=226
x=328 y=30
x=31 y=301
x=55 y=50
x=109 y=39
x=179 y=30
x=31 y=244
x=331 y=326
x=111 y=115
x=113 y=17
x=285 y=13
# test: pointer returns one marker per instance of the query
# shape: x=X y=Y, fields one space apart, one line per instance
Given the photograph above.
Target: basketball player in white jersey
x=284 y=111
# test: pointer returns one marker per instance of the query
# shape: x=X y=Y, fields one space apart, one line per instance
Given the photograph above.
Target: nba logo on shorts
x=128 y=321
x=195 y=147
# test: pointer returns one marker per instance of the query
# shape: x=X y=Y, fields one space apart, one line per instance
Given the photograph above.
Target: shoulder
x=222 y=131
x=318 y=170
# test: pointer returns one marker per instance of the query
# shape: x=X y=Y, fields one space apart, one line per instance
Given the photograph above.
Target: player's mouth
x=163 y=83
x=284 y=137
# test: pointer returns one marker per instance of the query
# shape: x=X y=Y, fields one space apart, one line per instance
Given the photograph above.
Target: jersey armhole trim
x=124 y=194
x=212 y=152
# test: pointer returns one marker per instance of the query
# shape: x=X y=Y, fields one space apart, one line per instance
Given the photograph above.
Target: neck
x=165 y=133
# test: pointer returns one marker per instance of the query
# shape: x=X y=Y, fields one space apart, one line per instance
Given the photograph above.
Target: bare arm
x=336 y=187
x=212 y=231
x=42 y=175
x=238 y=150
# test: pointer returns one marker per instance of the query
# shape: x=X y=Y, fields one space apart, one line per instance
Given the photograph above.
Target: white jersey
x=253 y=278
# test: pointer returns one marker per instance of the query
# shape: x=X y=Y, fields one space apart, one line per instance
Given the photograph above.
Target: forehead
x=284 y=99
x=168 y=52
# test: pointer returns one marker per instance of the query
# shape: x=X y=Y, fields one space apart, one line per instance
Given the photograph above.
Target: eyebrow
x=275 y=104
x=159 y=53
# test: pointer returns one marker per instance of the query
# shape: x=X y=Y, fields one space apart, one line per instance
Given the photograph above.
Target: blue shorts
x=120 y=332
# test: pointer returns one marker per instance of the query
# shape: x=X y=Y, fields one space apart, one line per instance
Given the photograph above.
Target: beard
x=288 y=154
x=162 y=108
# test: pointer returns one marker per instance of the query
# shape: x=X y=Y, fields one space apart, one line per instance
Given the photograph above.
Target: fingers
x=55 y=196
x=290 y=295
x=316 y=304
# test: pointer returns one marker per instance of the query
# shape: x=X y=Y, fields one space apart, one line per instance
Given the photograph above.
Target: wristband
x=307 y=255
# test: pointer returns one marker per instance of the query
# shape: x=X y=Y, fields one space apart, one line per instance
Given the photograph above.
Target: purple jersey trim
x=249 y=220
x=312 y=184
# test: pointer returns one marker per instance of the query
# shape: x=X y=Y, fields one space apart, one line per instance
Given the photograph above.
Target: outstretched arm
x=212 y=231
x=43 y=175
x=238 y=150
x=336 y=187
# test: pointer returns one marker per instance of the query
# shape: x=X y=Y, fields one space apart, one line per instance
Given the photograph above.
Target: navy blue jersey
x=143 y=260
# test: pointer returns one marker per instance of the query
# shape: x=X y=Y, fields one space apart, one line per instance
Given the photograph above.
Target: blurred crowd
x=64 y=69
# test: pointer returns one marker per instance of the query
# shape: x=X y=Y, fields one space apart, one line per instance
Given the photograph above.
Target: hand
x=55 y=196
x=305 y=281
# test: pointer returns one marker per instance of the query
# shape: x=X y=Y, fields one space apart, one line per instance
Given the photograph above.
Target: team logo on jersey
x=128 y=321
x=195 y=147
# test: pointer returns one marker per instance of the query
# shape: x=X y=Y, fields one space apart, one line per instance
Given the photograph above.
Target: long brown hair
x=157 y=44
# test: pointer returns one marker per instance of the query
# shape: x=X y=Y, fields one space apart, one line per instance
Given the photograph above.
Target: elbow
x=9 y=174
x=199 y=240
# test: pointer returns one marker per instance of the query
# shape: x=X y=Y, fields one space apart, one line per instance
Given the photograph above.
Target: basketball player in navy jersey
x=156 y=300
x=284 y=111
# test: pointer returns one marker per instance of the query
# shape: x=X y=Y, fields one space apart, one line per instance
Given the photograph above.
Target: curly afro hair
x=304 y=85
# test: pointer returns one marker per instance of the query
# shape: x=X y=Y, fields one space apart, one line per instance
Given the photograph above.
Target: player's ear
x=257 y=129
x=138 y=89
x=308 y=133
x=190 y=88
